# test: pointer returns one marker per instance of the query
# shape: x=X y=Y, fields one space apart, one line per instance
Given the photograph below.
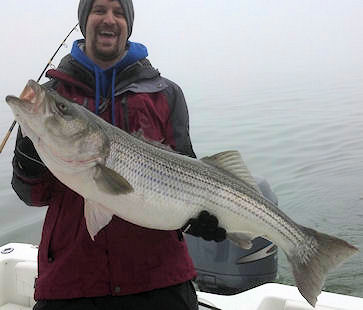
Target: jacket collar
x=138 y=77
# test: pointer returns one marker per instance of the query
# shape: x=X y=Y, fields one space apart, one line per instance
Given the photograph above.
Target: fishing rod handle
x=7 y=136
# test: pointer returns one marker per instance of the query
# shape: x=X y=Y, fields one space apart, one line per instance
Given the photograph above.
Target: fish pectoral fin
x=242 y=239
x=232 y=162
x=109 y=181
x=97 y=217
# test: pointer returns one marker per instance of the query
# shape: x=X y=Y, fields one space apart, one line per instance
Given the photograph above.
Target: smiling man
x=126 y=266
x=106 y=33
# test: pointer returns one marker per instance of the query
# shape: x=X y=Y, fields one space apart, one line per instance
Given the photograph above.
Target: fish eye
x=62 y=107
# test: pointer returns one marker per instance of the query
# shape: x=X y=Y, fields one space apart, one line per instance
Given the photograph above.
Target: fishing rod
x=40 y=76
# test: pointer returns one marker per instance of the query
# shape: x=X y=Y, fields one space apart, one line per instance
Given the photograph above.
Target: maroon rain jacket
x=124 y=258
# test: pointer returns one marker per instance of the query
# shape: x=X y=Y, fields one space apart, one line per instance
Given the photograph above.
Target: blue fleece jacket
x=105 y=79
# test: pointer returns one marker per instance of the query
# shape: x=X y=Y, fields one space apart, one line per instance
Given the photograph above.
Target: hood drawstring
x=98 y=90
x=113 y=95
x=99 y=85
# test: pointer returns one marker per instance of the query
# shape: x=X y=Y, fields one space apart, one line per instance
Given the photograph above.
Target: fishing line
x=40 y=76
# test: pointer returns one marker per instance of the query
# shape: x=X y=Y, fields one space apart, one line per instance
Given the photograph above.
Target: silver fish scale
x=169 y=178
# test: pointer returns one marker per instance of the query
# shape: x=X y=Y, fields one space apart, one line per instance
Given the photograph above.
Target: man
x=127 y=266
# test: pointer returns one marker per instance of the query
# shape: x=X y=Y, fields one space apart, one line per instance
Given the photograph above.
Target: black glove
x=205 y=226
x=27 y=158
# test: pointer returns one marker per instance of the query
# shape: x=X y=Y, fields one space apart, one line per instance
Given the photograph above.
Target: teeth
x=107 y=33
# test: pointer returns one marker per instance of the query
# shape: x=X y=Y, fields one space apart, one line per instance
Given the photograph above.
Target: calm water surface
x=306 y=139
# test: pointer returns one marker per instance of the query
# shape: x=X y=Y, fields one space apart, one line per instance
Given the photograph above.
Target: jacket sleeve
x=178 y=125
x=32 y=183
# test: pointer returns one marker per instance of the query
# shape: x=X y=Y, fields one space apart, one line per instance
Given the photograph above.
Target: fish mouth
x=29 y=92
x=30 y=98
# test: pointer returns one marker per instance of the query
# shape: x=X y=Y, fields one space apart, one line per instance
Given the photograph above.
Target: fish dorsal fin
x=159 y=144
x=232 y=162
x=111 y=182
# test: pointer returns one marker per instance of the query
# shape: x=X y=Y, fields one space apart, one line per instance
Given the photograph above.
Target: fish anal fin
x=232 y=162
x=97 y=217
x=242 y=239
x=109 y=181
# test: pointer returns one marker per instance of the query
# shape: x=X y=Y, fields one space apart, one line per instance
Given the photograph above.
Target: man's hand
x=205 y=226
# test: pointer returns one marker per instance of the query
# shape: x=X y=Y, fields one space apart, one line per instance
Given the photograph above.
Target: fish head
x=65 y=134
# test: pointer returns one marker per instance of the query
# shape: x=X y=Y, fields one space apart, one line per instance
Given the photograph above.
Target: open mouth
x=107 y=34
x=27 y=99
x=28 y=94
x=19 y=106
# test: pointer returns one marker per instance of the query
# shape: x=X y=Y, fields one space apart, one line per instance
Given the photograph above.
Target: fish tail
x=312 y=261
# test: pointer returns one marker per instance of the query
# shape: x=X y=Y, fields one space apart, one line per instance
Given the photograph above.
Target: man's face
x=106 y=32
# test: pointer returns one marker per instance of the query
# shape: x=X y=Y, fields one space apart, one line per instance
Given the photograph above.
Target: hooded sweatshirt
x=105 y=79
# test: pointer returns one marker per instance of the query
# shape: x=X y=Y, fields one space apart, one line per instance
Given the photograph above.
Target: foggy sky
x=192 y=41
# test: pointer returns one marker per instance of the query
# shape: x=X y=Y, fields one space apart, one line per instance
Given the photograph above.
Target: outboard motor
x=224 y=268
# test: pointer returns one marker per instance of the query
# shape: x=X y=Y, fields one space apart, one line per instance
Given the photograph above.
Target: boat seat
x=18 y=270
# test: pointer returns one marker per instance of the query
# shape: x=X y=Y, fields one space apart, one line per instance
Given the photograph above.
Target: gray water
x=305 y=138
x=280 y=81
x=18 y=223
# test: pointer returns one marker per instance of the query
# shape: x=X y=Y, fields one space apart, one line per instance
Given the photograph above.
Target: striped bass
x=124 y=175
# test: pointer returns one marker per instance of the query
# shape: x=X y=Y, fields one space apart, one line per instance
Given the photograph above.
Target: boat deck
x=18 y=270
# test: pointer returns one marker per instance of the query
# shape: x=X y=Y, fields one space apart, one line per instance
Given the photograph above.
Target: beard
x=108 y=52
